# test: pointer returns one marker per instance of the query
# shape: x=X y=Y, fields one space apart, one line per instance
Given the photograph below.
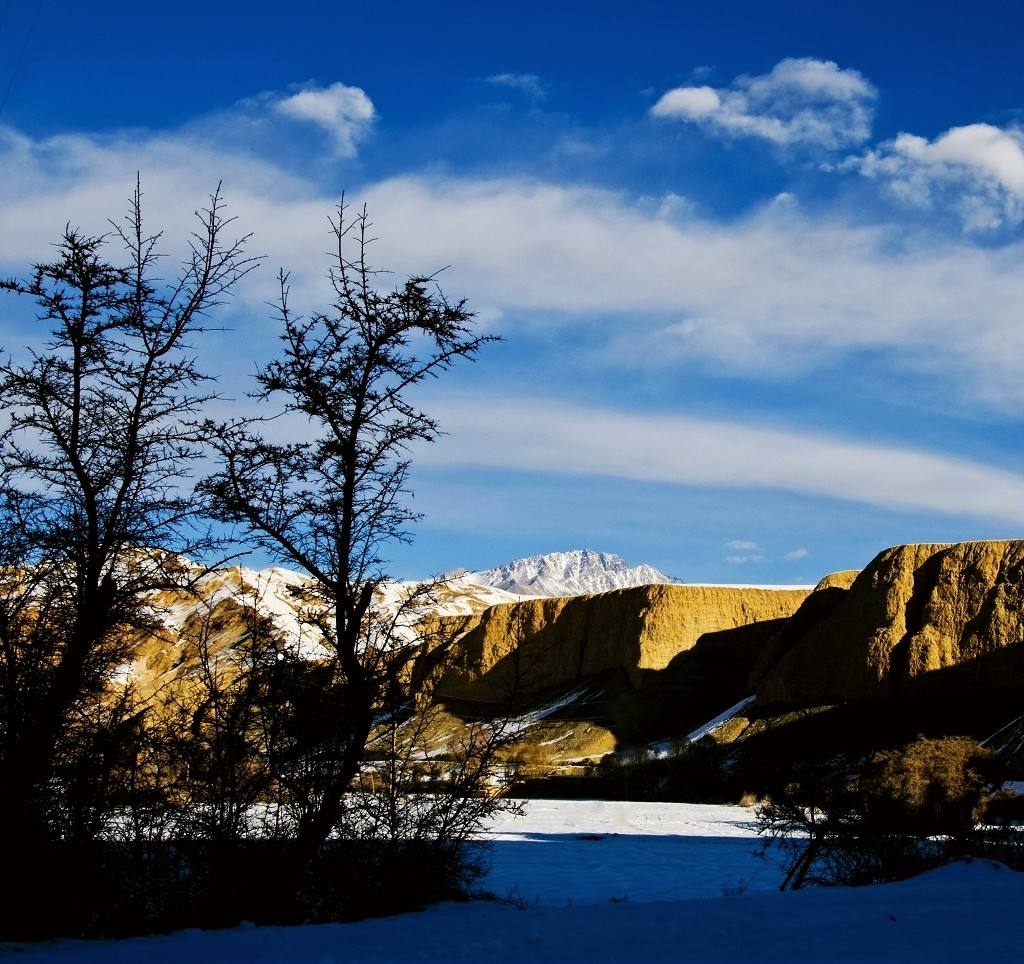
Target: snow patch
x=714 y=724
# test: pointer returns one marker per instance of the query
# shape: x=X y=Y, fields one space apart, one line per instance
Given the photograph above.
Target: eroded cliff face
x=920 y=620
x=829 y=592
x=562 y=640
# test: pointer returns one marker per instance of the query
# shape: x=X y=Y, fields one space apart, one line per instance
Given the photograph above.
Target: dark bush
x=102 y=889
x=886 y=816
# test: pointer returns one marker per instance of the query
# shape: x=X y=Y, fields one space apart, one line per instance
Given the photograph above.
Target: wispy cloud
x=801 y=101
x=977 y=170
x=743 y=552
x=797 y=554
x=547 y=435
x=774 y=292
x=344 y=113
x=529 y=84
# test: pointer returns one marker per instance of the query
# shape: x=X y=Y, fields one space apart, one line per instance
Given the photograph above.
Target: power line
x=21 y=54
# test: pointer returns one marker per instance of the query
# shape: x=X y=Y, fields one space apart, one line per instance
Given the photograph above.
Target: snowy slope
x=573 y=573
x=608 y=881
x=282 y=594
x=275 y=590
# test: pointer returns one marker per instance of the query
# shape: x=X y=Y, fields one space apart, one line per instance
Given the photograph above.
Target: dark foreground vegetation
x=241 y=790
x=110 y=889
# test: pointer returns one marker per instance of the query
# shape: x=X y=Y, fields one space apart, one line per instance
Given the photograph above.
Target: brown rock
x=635 y=629
x=815 y=608
x=838 y=580
x=913 y=613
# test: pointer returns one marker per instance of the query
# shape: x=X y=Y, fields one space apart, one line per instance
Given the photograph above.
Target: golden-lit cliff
x=918 y=620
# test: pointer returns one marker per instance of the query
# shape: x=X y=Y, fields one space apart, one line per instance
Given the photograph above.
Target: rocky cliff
x=637 y=629
x=920 y=620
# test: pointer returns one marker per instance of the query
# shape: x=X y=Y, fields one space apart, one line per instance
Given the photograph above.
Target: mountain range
x=924 y=639
x=573 y=573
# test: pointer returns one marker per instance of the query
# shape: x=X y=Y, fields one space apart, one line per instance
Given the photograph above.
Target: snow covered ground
x=597 y=881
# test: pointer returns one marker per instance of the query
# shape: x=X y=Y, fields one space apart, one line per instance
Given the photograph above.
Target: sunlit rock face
x=920 y=620
x=576 y=614
x=560 y=640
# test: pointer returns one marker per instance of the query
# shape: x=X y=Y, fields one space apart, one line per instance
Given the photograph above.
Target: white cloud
x=345 y=113
x=977 y=169
x=740 y=560
x=801 y=101
x=740 y=544
x=547 y=435
x=688 y=103
x=797 y=554
x=775 y=292
x=529 y=84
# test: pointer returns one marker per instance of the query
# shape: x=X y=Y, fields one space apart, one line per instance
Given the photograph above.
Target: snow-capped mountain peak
x=571 y=573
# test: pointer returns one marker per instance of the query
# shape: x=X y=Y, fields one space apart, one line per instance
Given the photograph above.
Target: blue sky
x=757 y=267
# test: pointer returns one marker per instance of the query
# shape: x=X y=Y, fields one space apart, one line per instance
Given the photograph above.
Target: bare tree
x=95 y=448
x=212 y=719
x=329 y=504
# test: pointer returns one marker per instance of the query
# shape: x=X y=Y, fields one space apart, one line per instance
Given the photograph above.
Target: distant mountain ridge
x=576 y=572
